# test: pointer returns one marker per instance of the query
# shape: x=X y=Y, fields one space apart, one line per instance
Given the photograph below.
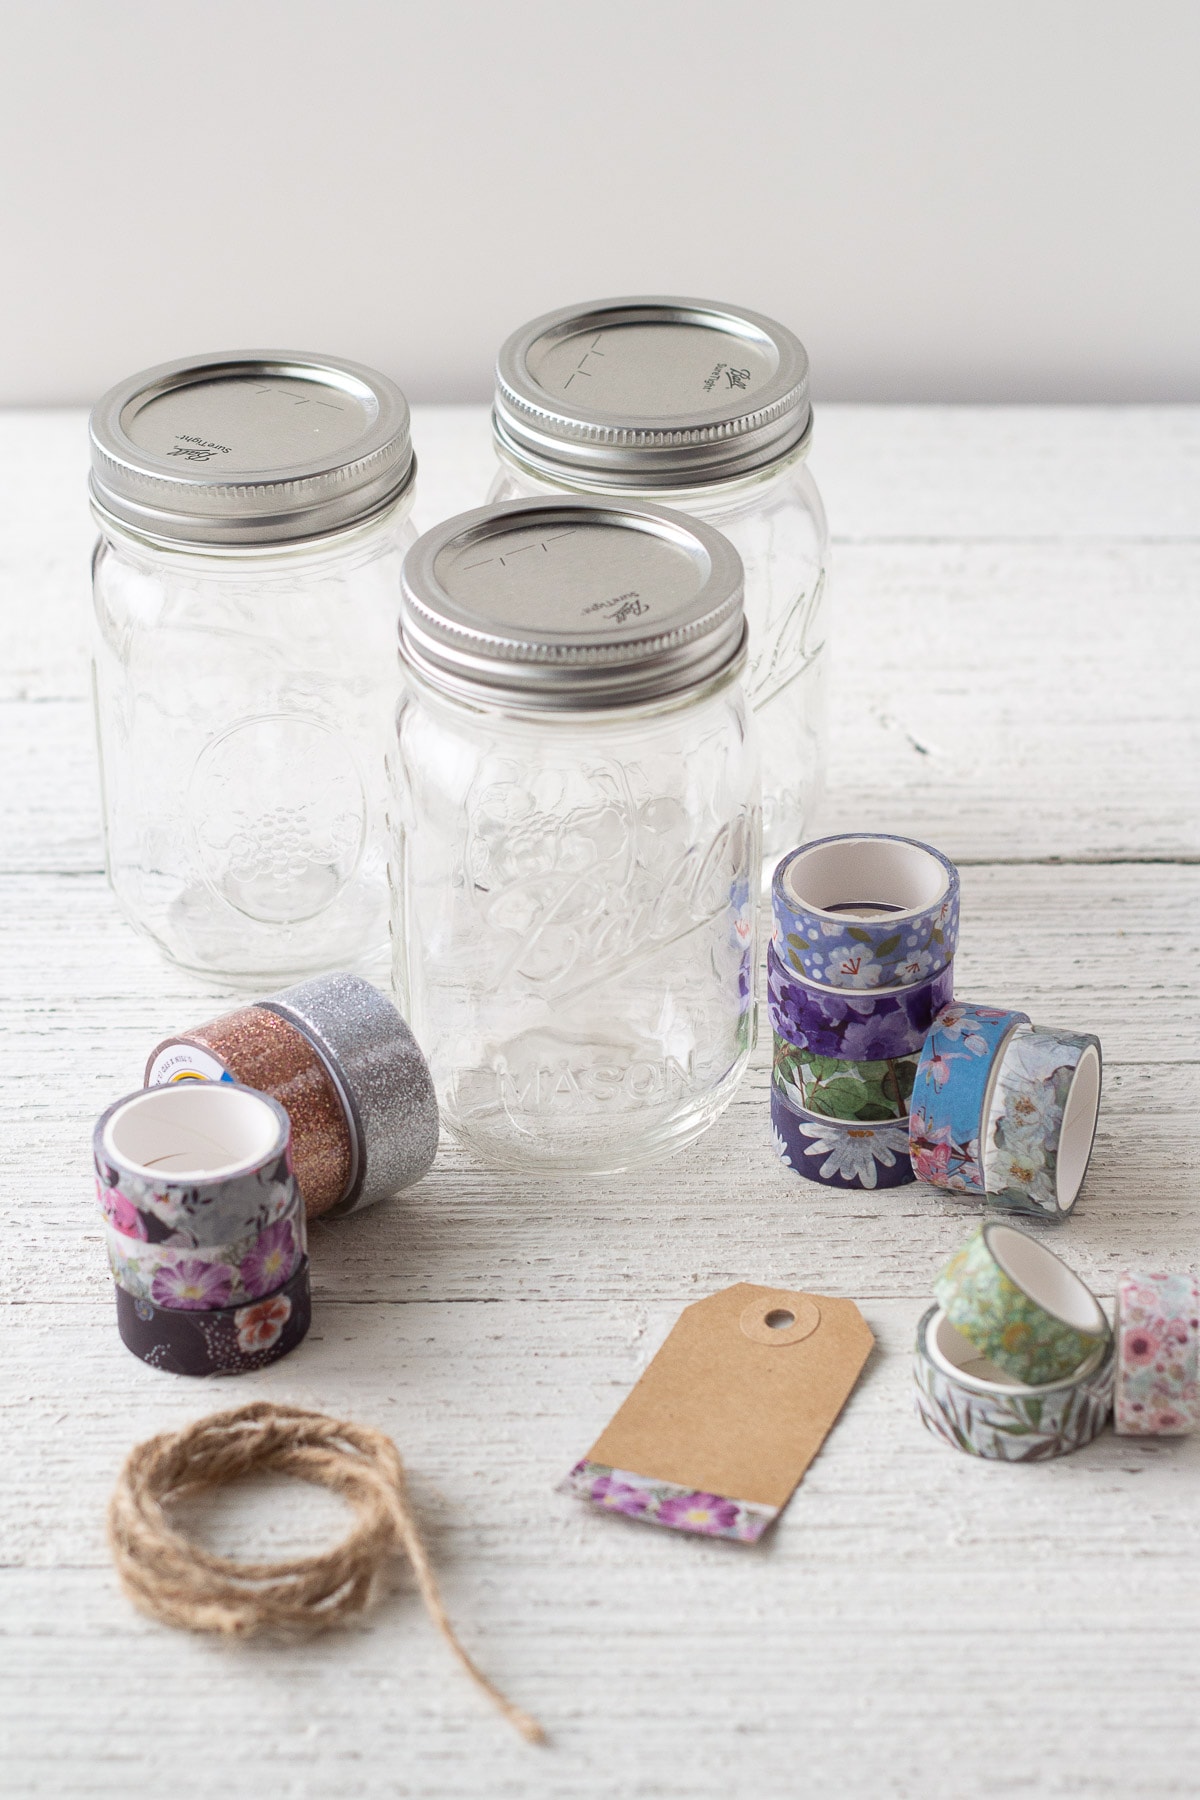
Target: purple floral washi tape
x=200 y=1163
x=1158 y=1352
x=952 y=1093
x=663 y=1503
x=837 y=1152
x=231 y=1340
x=854 y=1027
x=194 y=1278
x=865 y=910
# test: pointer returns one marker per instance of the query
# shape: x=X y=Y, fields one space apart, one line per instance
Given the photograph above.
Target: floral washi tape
x=1020 y=1305
x=831 y=1088
x=1158 y=1340
x=837 y=1152
x=865 y=910
x=231 y=1340
x=952 y=1093
x=664 y=1503
x=1000 y=1419
x=189 y=1277
x=1042 y=1121
x=856 y=1027
x=208 y=1160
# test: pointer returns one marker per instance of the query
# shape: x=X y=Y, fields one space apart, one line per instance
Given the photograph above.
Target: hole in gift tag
x=780 y=1319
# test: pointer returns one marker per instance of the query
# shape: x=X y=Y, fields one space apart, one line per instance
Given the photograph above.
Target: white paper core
x=871 y=876
x=1078 y=1126
x=1047 y=1280
x=195 y=1129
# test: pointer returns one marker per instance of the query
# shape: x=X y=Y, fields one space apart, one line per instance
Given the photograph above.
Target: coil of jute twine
x=178 y=1582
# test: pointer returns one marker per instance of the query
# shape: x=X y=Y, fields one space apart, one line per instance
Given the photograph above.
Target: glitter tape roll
x=1158 y=1352
x=1020 y=1305
x=866 y=1092
x=1041 y=1122
x=262 y=1050
x=189 y=1277
x=970 y=1404
x=210 y=1161
x=230 y=1340
x=837 y=1153
x=865 y=910
x=382 y=1074
x=952 y=1093
x=854 y=1027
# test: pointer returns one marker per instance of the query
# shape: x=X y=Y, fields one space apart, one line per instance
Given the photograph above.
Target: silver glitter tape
x=377 y=1063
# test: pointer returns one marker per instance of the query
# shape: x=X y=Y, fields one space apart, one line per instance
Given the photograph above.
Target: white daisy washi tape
x=839 y=1153
x=972 y=1405
x=1158 y=1341
x=1042 y=1121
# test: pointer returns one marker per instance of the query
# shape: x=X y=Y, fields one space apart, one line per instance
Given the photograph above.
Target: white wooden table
x=1017 y=680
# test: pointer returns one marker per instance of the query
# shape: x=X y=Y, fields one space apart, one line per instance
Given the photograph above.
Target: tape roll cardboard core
x=194 y=1129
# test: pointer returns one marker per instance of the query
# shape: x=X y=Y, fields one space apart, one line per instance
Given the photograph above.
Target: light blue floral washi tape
x=1041 y=1122
x=865 y=910
x=837 y=1152
x=952 y=1094
x=969 y=1404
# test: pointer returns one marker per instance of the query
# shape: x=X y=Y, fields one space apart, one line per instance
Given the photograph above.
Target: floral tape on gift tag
x=839 y=1153
x=188 y=1278
x=230 y=1340
x=1020 y=1305
x=206 y=1162
x=952 y=1093
x=834 y=1089
x=731 y=1411
x=865 y=910
x=1158 y=1338
x=857 y=1027
x=972 y=1405
x=1041 y=1122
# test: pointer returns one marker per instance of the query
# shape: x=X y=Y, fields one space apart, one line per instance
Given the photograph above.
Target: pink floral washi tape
x=1158 y=1355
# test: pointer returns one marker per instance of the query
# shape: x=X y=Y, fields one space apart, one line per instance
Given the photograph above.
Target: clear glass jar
x=244 y=665
x=704 y=409
x=576 y=831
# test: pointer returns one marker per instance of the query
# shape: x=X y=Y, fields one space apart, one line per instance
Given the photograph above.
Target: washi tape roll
x=1020 y=1305
x=1042 y=1121
x=209 y=1160
x=190 y=1277
x=383 y=1075
x=854 y=1027
x=952 y=1093
x=262 y=1050
x=231 y=1340
x=972 y=1405
x=865 y=1092
x=836 y=1153
x=865 y=911
x=1158 y=1349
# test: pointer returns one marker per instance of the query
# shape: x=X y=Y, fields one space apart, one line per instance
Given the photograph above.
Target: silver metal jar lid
x=652 y=392
x=251 y=447
x=566 y=605
x=383 y=1077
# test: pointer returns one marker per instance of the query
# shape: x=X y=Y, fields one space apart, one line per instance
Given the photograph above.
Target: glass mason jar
x=704 y=408
x=254 y=514
x=576 y=830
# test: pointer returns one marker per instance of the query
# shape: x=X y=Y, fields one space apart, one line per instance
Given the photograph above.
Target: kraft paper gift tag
x=729 y=1414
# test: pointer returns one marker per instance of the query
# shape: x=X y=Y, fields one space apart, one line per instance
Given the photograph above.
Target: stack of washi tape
x=1017 y=1362
x=859 y=964
x=313 y=1103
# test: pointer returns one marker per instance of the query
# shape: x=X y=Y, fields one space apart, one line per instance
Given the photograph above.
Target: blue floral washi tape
x=952 y=1093
x=199 y=1163
x=856 y=1027
x=1041 y=1123
x=1001 y=1419
x=839 y=1153
x=865 y=911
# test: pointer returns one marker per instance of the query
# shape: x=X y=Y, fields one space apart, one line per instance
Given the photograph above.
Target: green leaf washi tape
x=1020 y=1305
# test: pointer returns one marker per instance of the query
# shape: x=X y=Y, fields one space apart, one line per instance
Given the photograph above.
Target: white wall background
x=948 y=199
